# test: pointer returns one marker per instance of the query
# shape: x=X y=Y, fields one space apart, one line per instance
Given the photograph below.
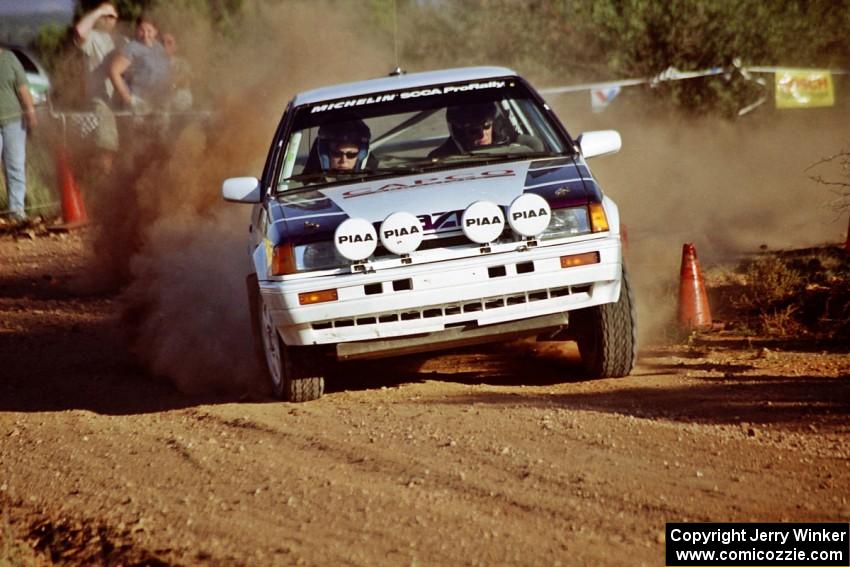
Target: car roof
x=400 y=82
x=31 y=64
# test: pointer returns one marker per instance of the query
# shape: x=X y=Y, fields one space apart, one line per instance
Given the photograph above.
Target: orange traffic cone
x=693 y=300
x=73 y=209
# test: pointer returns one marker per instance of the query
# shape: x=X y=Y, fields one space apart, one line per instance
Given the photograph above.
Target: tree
x=834 y=172
x=576 y=40
x=644 y=37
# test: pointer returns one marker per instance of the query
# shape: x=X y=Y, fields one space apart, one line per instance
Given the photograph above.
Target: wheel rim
x=271 y=346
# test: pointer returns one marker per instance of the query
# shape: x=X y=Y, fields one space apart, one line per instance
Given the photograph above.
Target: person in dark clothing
x=471 y=126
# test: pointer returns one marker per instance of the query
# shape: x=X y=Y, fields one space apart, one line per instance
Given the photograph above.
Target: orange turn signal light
x=310 y=297
x=579 y=259
x=283 y=260
x=598 y=220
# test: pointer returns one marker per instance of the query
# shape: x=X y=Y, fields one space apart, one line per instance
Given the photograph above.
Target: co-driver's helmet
x=467 y=121
x=352 y=131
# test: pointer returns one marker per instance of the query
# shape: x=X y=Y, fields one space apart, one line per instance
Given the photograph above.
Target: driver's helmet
x=468 y=121
x=353 y=131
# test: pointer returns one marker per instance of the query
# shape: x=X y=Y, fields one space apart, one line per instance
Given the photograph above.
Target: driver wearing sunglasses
x=343 y=146
x=343 y=156
x=471 y=126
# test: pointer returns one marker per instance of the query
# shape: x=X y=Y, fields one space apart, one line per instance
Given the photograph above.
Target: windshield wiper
x=488 y=157
x=333 y=175
x=307 y=176
x=406 y=169
x=326 y=175
x=419 y=167
x=524 y=155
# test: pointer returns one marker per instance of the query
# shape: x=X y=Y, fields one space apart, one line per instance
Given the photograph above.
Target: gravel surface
x=503 y=455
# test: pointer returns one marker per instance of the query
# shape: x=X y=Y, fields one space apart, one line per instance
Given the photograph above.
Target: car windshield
x=411 y=131
x=26 y=62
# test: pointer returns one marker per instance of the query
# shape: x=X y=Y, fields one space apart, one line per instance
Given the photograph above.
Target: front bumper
x=470 y=293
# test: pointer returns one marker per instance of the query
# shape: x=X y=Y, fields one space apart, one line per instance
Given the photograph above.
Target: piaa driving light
x=529 y=215
x=355 y=239
x=311 y=297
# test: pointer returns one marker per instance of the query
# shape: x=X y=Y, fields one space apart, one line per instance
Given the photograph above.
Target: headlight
x=318 y=256
x=567 y=222
x=289 y=259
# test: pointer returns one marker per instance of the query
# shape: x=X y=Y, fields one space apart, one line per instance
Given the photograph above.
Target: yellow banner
x=798 y=88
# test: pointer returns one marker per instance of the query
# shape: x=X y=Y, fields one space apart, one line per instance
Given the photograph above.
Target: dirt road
x=504 y=456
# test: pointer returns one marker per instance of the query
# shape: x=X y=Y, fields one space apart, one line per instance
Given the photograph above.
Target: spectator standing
x=140 y=71
x=94 y=37
x=17 y=115
x=180 y=98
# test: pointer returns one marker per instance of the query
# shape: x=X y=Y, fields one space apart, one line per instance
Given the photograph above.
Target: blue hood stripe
x=562 y=182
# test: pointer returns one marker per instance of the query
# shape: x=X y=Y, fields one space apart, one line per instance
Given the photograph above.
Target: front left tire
x=295 y=372
x=607 y=335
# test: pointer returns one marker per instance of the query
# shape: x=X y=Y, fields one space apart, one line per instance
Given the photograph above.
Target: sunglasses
x=336 y=154
x=475 y=127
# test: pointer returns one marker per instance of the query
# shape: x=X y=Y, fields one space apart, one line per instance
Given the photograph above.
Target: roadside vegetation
x=833 y=172
x=787 y=294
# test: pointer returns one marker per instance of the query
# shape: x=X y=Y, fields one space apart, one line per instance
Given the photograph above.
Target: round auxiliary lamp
x=355 y=239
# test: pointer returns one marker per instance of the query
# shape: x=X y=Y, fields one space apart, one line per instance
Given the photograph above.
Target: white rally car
x=425 y=211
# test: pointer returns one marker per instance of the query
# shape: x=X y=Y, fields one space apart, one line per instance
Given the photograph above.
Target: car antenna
x=398 y=70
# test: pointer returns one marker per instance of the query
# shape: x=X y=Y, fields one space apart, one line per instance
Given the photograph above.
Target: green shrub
x=791 y=293
x=770 y=281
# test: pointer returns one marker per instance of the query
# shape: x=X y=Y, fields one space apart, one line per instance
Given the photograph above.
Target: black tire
x=303 y=378
x=253 y=288
x=607 y=335
x=295 y=372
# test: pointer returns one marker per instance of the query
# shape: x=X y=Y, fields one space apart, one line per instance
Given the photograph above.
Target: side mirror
x=241 y=190
x=599 y=143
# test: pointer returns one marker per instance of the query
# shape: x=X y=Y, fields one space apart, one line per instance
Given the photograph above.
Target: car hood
x=438 y=198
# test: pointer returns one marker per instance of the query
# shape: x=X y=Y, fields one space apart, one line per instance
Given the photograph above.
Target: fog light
x=579 y=259
x=311 y=297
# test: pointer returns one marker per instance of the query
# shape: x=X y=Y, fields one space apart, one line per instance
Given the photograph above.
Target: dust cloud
x=730 y=187
x=164 y=235
x=179 y=252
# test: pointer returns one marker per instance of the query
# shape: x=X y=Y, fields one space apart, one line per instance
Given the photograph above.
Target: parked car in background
x=36 y=75
x=425 y=211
